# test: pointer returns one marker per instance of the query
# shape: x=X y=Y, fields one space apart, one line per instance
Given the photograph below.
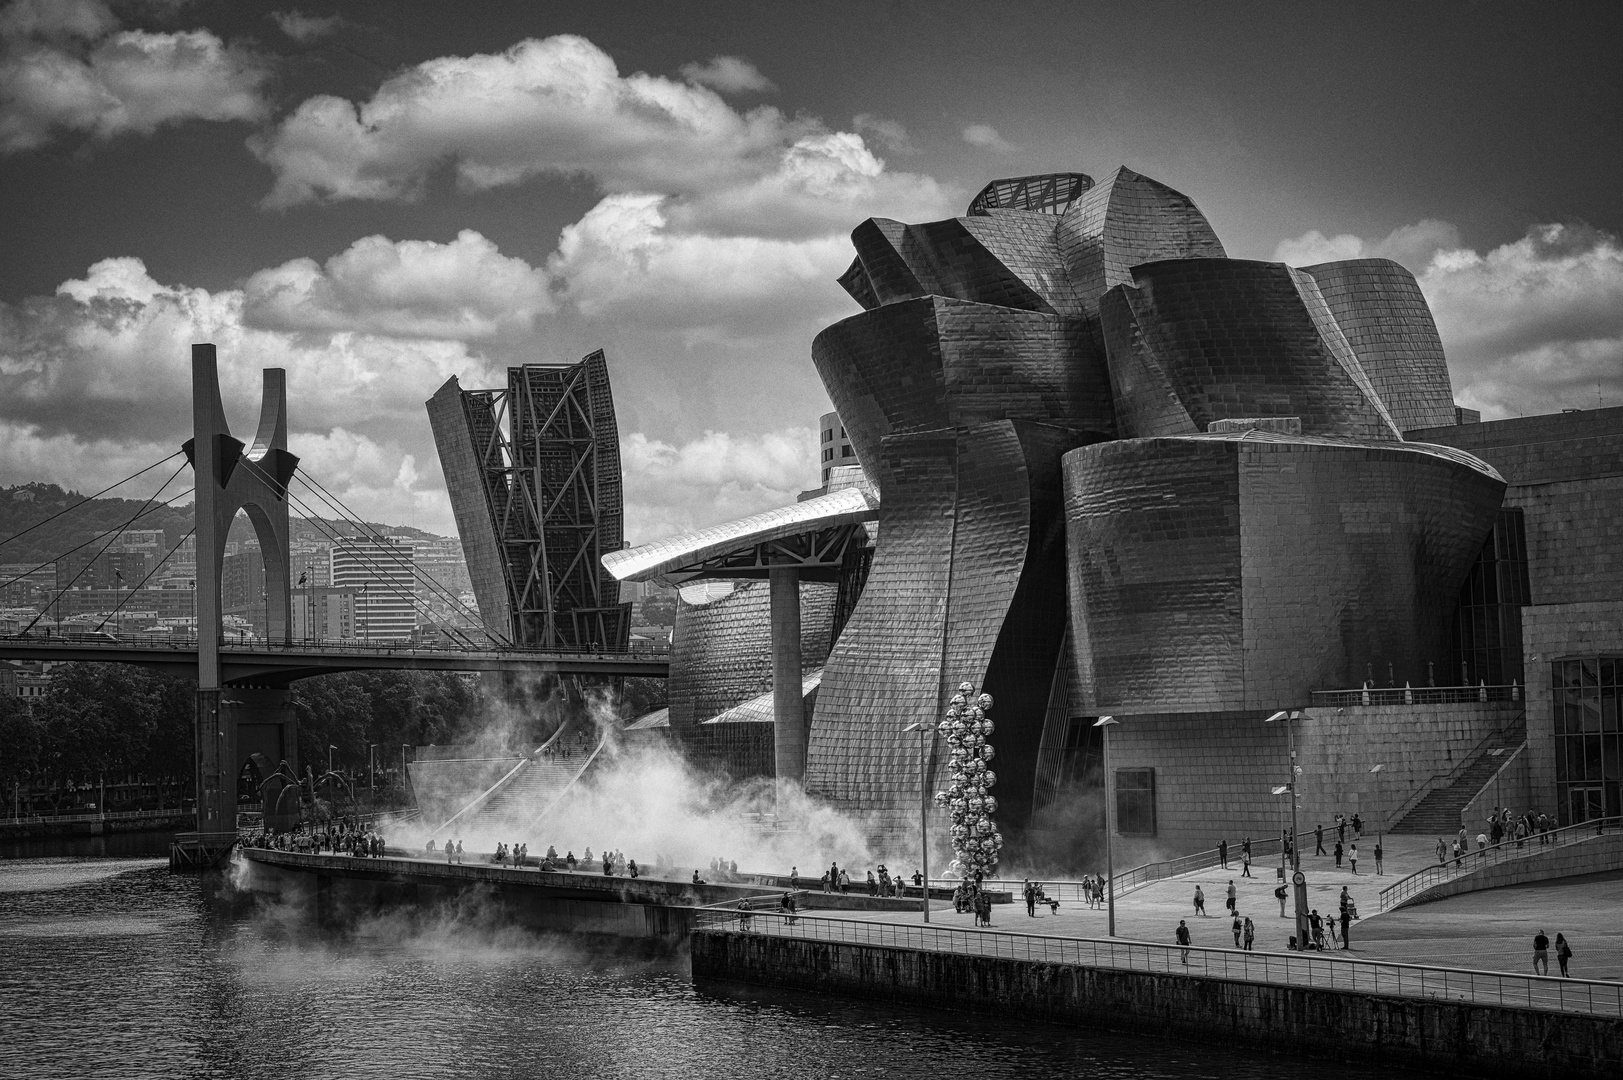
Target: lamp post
x=1298 y=879
x=1108 y=722
x=1376 y=771
x=924 y=814
x=330 y=749
x=372 y=767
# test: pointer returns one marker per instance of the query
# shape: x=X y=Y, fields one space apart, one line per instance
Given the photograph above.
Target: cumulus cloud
x=714 y=478
x=306 y=28
x=1412 y=245
x=559 y=106
x=1533 y=326
x=730 y=75
x=66 y=66
x=462 y=291
x=986 y=137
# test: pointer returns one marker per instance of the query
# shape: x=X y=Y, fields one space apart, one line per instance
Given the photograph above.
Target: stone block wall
x=1549 y=632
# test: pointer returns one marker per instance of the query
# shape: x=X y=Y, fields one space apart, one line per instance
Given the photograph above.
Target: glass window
x=1592 y=757
x=1135 y=802
x=1609 y=757
x=1575 y=757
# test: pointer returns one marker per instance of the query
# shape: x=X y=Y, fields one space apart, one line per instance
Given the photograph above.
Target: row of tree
x=115 y=720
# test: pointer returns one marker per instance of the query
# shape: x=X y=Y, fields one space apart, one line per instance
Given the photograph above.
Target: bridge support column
x=265 y=723
x=788 y=708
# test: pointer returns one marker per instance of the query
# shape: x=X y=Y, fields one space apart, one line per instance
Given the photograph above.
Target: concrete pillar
x=788 y=711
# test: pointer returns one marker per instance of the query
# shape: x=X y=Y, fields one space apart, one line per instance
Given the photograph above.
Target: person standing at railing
x=1223 y=854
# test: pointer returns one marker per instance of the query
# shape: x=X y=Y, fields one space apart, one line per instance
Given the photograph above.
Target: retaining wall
x=1597 y=855
x=1432 y=1033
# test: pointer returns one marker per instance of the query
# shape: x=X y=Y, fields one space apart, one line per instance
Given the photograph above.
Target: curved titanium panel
x=967 y=584
x=721 y=652
x=1229 y=338
x=934 y=362
x=1126 y=220
x=1242 y=571
x=1380 y=309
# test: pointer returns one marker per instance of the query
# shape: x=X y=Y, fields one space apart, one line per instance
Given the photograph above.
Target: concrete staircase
x=1438 y=813
x=533 y=788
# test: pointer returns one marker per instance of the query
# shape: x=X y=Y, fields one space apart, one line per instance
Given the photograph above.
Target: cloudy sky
x=378 y=195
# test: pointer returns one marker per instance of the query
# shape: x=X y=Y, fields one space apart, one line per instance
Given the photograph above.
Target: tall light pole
x=1108 y=722
x=1376 y=771
x=924 y=813
x=1298 y=879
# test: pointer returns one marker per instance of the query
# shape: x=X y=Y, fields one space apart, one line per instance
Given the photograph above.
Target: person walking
x=1245 y=862
x=1250 y=933
x=1352 y=856
x=1236 y=928
x=1183 y=940
x=1541 y=954
x=1223 y=854
x=1442 y=852
x=1339 y=853
x=1378 y=856
x=1200 y=902
x=1563 y=953
x=1318 y=839
x=1234 y=901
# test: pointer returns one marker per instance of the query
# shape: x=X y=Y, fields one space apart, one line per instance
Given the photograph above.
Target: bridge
x=274 y=664
x=244 y=706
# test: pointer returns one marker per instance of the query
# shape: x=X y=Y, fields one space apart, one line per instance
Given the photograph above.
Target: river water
x=116 y=968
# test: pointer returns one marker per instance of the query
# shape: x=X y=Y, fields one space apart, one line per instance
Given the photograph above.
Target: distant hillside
x=29 y=504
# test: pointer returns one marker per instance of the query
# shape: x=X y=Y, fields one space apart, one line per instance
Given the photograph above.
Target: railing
x=92 y=815
x=1416 y=695
x=1505 y=851
x=1280 y=969
x=344 y=646
x=1438 y=781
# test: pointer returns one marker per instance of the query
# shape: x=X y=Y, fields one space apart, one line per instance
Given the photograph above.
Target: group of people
x=336 y=837
x=1345 y=851
x=1245 y=931
x=969 y=897
x=1541 y=954
x=452 y=849
x=1501 y=826
x=1033 y=893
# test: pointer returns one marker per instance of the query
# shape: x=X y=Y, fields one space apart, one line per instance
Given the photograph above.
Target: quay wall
x=1456 y=1037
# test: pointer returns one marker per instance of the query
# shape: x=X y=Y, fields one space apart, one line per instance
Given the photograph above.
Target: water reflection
x=115 y=968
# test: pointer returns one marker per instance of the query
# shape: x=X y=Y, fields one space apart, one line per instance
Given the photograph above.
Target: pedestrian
x=459 y=851
x=1541 y=954
x=1245 y=846
x=1279 y=894
x=794 y=877
x=1315 y=926
x=1346 y=917
x=1318 y=839
x=1200 y=901
x=1563 y=953
x=825 y=881
x=1234 y=902
x=1456 y=854
x=1442 y=852
x=1223 y=854
x=1378 y=855
x=834 y=874
x=845 y=881
x=1358 y=826
x=1352 y=856
x=1237 y=928
x=631 y=868
x=1245 y=864
x=1338 y=854
x=1183 y=940
x=1030 y=893
x=1250 y=933
x=1341 y=829
x=1481 y=842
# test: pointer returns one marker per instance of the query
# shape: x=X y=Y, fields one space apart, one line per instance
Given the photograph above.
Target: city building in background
x=533 y=472
x=325 y=613
x=379 y=571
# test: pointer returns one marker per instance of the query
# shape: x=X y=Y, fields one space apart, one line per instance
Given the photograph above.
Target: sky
x=379 y=195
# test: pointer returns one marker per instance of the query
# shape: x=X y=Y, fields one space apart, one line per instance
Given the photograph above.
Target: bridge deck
x=285 y=663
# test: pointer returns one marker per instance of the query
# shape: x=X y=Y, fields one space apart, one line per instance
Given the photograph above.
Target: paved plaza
x=1488 y=931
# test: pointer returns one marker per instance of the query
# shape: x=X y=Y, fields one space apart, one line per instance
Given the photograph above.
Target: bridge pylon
x=230 y=477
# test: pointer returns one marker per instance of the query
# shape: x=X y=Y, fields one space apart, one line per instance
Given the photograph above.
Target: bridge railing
x=1281 y=969
x=331 y=646
x=1505 y=851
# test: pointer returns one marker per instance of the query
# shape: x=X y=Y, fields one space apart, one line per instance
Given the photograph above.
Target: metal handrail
x=330 y=646
x=1509 y=850
x=1544 y=993
x=1416 y=695
x=1438 y=781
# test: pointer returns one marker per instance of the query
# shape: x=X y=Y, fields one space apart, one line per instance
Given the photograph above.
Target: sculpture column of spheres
x=968 y=729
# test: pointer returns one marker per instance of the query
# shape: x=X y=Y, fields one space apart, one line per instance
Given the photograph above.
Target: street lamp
x=924 y=813
x=1376 y=773
x=1108 y=722
x=1298 y=879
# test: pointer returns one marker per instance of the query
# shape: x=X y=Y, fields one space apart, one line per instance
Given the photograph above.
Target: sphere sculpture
x=967 y=729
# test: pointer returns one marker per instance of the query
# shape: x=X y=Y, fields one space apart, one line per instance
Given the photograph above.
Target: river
x=116 y=968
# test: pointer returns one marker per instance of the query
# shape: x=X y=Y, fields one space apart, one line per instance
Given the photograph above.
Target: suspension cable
x=93 y=539
x=110 y=541
x=156 y=567
x=88 y=498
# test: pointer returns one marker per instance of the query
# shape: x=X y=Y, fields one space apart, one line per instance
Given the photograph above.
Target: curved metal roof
x=676 y=553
